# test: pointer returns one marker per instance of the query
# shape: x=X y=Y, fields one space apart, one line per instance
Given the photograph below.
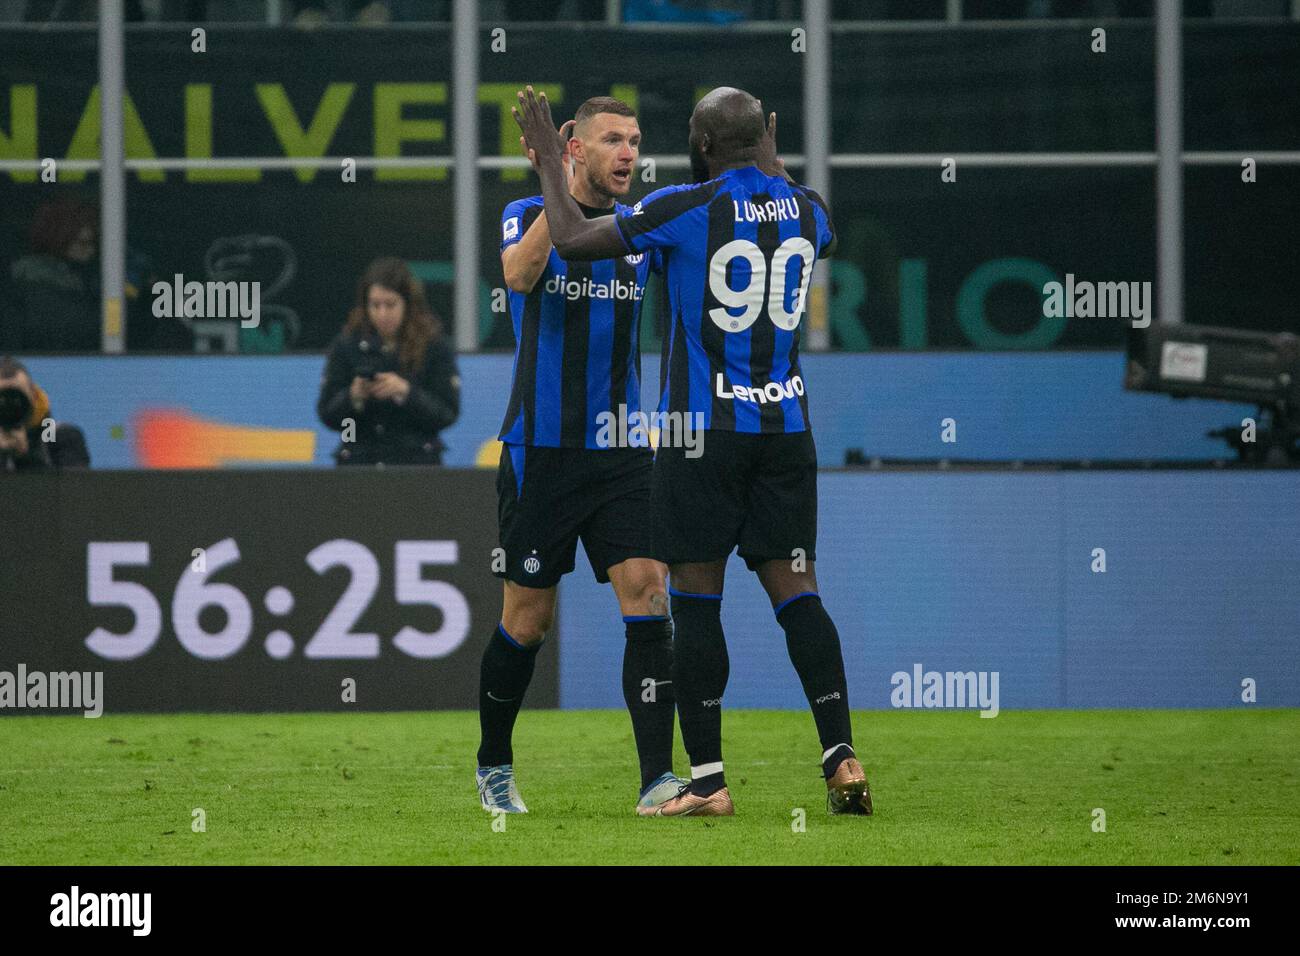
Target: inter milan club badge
x=531 y=564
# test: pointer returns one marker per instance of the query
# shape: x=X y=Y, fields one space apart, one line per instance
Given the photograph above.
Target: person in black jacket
x=390 y=384
x=30 y=440
x=55 y=287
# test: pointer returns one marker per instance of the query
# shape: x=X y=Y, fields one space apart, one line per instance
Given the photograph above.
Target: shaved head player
x=738 y=250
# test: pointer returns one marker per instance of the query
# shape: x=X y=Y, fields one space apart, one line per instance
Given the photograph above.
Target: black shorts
x=756 y=493
x=549 y=497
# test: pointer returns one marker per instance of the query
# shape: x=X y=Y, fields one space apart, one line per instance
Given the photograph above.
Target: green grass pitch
x=1177 y=787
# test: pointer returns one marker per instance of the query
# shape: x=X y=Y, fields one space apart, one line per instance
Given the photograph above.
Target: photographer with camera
x=390 y=384
x=29 y=439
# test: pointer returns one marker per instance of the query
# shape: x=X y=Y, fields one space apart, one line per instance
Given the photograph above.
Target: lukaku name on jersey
x=738 y=256
x=738 y=250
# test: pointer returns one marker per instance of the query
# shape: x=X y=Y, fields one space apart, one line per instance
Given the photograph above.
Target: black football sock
x=814 y=647
x=504 y=675
x=648 y=692
x=700 y=670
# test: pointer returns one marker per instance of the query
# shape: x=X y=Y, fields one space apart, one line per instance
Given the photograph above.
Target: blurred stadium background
x=975 y=554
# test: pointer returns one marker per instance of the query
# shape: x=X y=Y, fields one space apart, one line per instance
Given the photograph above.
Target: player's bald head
x=728 y=124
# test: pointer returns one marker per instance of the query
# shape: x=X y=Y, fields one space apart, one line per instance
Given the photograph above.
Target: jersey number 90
x=766 y=285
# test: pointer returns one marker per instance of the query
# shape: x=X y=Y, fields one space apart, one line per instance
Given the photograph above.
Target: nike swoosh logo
x=500 y=700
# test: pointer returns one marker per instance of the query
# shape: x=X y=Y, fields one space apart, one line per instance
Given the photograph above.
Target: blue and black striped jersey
x=738 y=257
x=577 y=345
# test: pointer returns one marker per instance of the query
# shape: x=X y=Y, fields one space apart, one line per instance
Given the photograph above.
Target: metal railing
x=1168 y=158
x=680 y=161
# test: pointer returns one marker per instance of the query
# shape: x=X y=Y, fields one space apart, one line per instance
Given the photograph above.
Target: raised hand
x=566 y=132
x=572 y=234
x=541 y=139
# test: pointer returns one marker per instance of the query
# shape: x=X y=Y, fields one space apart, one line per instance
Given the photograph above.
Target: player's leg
x=698 y=505
x=701 y=668
x=539 y=540
x=640 y=585
x=814 y=647
x=779 y=542
x=504 y=675
x=617 y=537
x=507 y=668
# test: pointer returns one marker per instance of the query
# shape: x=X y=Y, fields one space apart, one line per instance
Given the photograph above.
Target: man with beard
x=738 y=249
x=561 y=476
